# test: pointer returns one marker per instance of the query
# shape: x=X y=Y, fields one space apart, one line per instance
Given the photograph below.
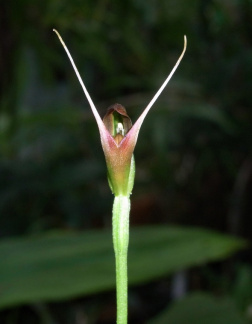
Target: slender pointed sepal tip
x=90 y=101
x=133 y=133
x=60 y=38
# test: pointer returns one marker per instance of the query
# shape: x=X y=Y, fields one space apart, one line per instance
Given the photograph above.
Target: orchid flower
x=118 y=139
x=118 y=136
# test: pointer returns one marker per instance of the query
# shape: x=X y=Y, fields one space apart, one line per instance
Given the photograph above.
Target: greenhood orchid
x=118 y=136
x=118 y=139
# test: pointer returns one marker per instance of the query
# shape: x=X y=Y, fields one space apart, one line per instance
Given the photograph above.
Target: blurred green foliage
x=62 y=265
x=193 y=156
x=201 y=309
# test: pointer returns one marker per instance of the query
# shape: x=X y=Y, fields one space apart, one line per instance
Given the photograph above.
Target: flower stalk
x=118 y=139
x=121 y=210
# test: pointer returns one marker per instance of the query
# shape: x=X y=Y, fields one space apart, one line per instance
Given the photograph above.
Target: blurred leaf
x=200 y=308
x=62 y=265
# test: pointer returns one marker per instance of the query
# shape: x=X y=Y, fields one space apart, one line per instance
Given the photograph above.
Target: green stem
x=121 y=209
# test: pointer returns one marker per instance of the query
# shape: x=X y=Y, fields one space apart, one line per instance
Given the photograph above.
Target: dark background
x=193 y=156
